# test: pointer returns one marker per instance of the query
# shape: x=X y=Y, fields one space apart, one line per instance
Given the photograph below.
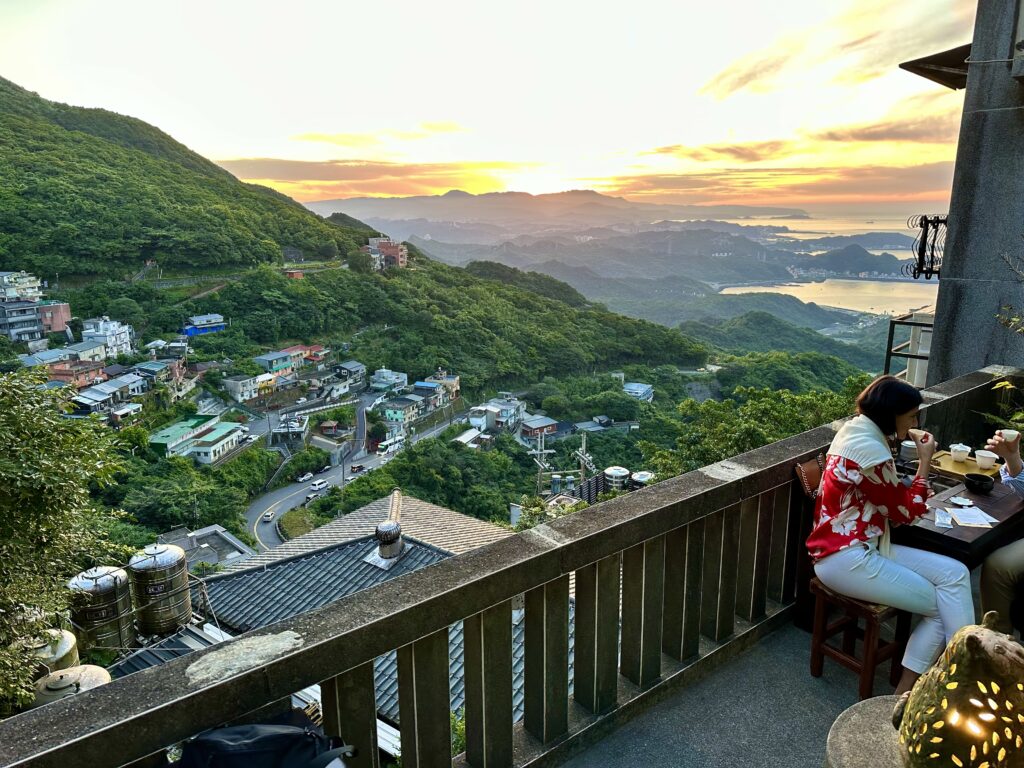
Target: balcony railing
x=670 y=582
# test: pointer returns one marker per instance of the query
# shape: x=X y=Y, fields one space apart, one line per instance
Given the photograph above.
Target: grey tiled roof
x=255 y=597
x=181 y=643
x=433 y=525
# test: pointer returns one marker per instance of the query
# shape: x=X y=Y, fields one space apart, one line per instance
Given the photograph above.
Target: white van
x=318 y=485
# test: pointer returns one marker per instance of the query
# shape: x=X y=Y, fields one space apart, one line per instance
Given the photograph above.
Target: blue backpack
x=262 y=746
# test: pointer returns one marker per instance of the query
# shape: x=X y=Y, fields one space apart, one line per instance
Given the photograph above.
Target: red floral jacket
x=853 y=503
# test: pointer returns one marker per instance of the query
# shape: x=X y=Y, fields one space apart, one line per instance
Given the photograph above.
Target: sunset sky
x=795 y=102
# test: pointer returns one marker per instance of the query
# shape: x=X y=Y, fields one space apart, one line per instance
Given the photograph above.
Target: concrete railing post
x=350 y=712
x=424 y=702
x=597 y=633
x=488 y=681
x=643 y=583
x=546 y=656
x=684 y=557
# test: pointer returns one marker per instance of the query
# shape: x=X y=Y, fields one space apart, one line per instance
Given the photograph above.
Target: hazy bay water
x=877 y=296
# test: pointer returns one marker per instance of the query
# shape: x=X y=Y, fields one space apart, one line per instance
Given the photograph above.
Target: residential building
x=94 y=351
x=78 y=373
x=401 y=410
x=470 y=438
x=328 y=428
x=54 y=315
x=534 y=426
x=124 y=415
x=297 y=354
x=19 y=286
x=277 y=363
x=166 y=370
x=45 y=357
x=293 y=274
x=197 y=325
x=639 y=391
x=19 y=321
x=450 y=381
x=118 y=337
x=176 y=439
x=351 y=371
x=212 y=445
x=500 y=413
x=384 y=380
x=212 y=545
x=434 y=395
x=242 y=387
x=385 y=252
x=102 y=397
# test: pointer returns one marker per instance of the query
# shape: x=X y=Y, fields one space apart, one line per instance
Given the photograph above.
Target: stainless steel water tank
x=159 y=575
x=104 y=612
x=68 y=682
x=641 y=479
x=615 y=478
x=57 y=649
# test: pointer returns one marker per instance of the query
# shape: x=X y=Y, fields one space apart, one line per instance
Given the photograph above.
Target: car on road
x=324 y=469
x=252 y=438
x=304 y=478
x=356 y=468
x=244 y=429
x=268 y=515
x=311 y=497
x=317 y=485
x=300 y=401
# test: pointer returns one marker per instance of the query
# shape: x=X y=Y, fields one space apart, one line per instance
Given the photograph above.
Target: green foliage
x=458 y=726
x=803 y=372
x=534 y=282
x=300 y=521
x=309 y=459
x=359 y=262
x=345 y=415
x=50 y=529
x=85 y=191
x=476 y=483
x=535 y=511
x=722 y=306
x=715 y=430
x=762 y=332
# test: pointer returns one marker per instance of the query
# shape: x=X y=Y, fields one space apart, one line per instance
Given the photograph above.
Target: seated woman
x=860 y=494
x=1003 y=571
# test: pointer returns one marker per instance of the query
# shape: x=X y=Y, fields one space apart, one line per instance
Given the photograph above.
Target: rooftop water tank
x=640 y=479
x=615 y=478
x=570 y=483
x=68 y=682
x=57 y=649
x=159 y=576
x=556 y=484
x=103 y=612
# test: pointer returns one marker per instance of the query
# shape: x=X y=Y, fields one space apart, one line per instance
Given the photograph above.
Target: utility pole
x=586 y=461
x=540 y=455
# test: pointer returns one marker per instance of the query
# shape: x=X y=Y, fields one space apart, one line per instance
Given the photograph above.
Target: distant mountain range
x=519 y=211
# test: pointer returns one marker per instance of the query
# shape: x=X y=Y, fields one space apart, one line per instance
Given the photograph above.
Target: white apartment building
x=117 y=337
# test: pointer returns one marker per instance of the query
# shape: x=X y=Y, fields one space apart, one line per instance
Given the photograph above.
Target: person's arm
x=901 y=504
x=1010 y=451
x=1016 y=482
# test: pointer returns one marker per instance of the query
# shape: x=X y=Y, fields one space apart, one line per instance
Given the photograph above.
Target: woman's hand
x=925 y=442
x=1009 y=450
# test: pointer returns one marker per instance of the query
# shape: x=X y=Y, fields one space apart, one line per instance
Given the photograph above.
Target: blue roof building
x=197 y=325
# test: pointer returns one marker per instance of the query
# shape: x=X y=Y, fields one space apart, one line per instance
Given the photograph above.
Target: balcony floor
x=761 y=709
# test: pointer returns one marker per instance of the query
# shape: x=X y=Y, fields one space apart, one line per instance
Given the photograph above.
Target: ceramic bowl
x=978 y=483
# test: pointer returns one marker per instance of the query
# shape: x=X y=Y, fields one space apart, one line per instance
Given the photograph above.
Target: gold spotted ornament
x=967 y=711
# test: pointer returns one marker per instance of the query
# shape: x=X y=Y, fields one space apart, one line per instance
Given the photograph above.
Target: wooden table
x=968 y=545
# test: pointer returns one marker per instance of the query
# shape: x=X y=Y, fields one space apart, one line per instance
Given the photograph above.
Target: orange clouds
x=320 y=180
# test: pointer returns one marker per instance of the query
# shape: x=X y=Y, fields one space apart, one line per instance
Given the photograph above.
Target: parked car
x=304 y=478
x=244 y=429
x=317 y=485
x=252 y=438
x=324 y=469
x=268 y=515
x=355 y=468
x=300 y=401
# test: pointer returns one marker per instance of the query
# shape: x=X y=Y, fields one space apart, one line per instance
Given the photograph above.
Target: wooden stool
x=875 y=651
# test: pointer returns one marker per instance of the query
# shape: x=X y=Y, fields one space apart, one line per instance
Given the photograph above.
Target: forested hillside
x=535 y=282
x=86 y=191
x=414 y=320
x=762 y=332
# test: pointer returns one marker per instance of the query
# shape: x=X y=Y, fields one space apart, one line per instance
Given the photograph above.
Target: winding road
x=283 y=499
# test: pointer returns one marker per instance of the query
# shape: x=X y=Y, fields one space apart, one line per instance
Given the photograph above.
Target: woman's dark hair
x=885 y=398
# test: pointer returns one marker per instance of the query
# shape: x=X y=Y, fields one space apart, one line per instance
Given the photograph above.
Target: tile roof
x=251 y=598
x=433 y=525
x=181 y=643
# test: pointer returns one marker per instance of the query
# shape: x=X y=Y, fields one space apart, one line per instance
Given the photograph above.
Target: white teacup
x=985 y=459
x=1009 y=435
x=959 y=451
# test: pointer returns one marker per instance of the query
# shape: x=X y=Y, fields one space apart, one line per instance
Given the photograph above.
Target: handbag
x=262 y=746
x=809 y=473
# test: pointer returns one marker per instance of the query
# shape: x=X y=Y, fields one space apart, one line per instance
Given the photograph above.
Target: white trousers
x=935 y=587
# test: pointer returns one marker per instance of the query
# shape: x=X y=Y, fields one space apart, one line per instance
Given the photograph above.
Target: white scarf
x=860 y=440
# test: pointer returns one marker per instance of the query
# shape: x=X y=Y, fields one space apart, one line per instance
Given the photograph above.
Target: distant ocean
x=876 y=296
x=849 y=225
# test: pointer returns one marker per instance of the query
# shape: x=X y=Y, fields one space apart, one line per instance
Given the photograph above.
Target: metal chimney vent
x=390 y=545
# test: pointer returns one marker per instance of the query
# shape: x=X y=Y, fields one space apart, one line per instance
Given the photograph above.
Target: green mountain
x=721 y=306
x=763 y=332
x=535 y=282
x=854 y=259
x=87 y=191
